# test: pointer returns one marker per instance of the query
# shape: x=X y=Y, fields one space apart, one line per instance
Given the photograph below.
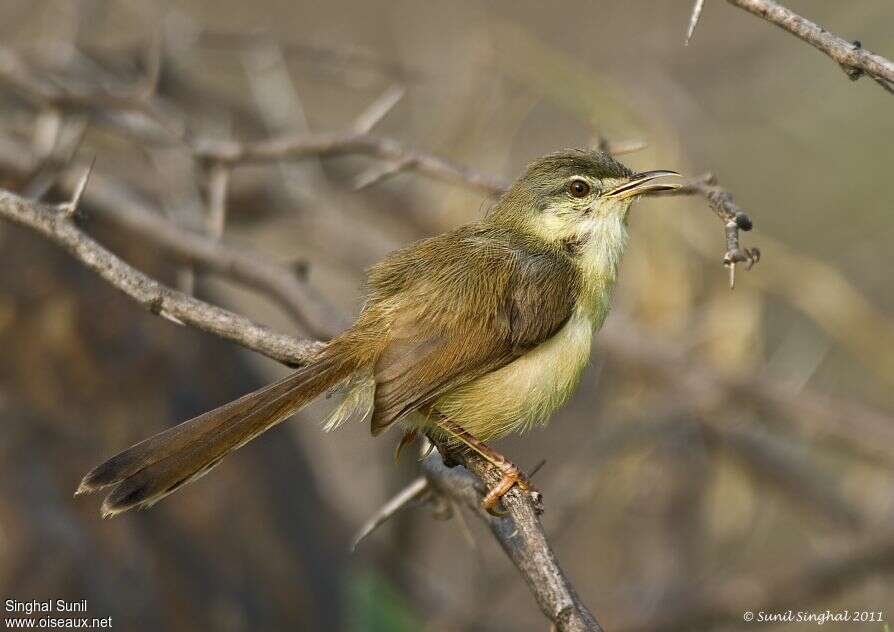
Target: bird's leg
x=512 y=475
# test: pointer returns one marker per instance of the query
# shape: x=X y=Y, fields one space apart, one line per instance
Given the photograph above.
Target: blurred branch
x=218 y=187
x=126 y=208
x=378 y=109
x=355 y=142
x=318 y=53
x=346 y=143
x=855 y=60
x=68 y=95
x=817 y=415
x=723 y=606
x=792 y=472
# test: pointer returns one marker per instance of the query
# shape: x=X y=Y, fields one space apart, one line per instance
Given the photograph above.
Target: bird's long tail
x=150 y=470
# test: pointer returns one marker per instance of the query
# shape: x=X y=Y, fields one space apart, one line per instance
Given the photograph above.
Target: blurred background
x=726 y=451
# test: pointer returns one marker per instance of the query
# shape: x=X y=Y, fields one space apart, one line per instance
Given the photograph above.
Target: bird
x=466 y=336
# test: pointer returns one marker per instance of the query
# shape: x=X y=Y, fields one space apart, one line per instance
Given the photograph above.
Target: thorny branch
x=733 y=217
x=855 y=60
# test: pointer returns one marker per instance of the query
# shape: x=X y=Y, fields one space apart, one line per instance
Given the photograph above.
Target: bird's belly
x=526 y=391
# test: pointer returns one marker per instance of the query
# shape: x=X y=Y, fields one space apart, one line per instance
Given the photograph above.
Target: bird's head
x=574 y=196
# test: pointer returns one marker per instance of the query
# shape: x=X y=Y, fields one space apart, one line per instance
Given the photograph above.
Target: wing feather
x=476 y=303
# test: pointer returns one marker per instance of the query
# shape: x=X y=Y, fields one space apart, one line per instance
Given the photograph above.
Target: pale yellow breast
x=527 y=391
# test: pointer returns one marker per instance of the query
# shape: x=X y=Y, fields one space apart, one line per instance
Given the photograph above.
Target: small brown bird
x=466 y=336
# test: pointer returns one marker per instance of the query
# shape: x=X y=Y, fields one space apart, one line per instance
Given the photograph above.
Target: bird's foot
x=512 y=476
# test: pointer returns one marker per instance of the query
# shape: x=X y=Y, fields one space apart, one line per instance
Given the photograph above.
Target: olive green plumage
x=488 y=326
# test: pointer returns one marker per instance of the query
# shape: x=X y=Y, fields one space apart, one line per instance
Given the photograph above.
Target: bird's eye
x=578 y=188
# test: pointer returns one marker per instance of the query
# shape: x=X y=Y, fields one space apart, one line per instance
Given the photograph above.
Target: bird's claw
x=512 y=476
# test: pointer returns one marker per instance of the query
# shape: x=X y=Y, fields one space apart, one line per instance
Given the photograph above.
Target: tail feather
x=150 y=470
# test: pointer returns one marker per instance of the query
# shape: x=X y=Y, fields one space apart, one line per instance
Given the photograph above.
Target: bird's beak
x=639 y=183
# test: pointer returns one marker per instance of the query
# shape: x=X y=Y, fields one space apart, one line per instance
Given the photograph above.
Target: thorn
x=537 y=468
x=70 y=208
x=153 y=58
x=411 y=492
x=168 y=316
x=732 y=275
x=693 y=20
x=218 y=184
x=378 y=109
x=377 y=174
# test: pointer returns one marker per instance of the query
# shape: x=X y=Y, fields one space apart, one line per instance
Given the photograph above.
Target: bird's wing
x=478 y=302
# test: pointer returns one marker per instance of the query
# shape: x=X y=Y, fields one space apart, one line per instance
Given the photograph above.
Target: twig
x=18 y=75
x=317 y=52
x=693 y=19
x=733 y=217
x=345 y=143
x=816 y=414
x=152 y=295
x=218 y=184
x=378 y=109
x=855 y=60
x=124 y=207
x=401 y=499
x=70 y=208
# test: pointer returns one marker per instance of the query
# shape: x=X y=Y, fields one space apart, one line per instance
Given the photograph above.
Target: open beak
x=641 y=183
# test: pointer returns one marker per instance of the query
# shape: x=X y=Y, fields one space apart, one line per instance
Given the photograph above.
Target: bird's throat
x=598 y=252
